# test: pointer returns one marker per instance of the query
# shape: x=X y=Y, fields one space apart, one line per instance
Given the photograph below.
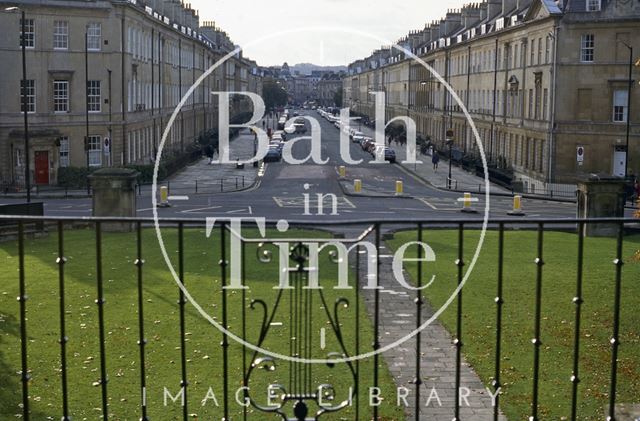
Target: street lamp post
x=449 y=141
x=87 y=145
x=25 y=111
x=27 y=171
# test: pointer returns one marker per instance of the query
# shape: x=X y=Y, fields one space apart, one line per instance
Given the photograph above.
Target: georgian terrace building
x=142 y=57
x=540 y=79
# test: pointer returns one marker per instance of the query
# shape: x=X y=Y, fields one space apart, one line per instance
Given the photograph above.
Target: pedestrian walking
x=435 y=160
x=209 y=152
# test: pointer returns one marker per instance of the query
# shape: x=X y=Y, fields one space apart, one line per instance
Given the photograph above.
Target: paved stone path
x=438 y=359
x=202 y=178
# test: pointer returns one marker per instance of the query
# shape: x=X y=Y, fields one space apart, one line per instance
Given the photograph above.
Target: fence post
x=243 y=181
x=196 y=186
x=169 y=186
x=222 y=185
x=236 y=183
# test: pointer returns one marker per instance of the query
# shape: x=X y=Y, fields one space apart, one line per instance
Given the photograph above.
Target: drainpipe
x=552 y=128
x=495 y=102
x=180 y=94
x=153 y=88
x=466 y=123
x=523 y=100
x=123 y=91
x=445 y=94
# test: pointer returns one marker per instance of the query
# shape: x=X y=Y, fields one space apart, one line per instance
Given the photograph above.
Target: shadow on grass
x=10 y=384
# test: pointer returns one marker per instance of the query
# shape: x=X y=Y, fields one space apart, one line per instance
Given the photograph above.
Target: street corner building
x=137 y=60
x=547 y=84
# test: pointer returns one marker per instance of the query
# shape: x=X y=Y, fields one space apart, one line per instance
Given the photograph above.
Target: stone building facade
x=142 y=56
x=541 y=79
x=327 y=89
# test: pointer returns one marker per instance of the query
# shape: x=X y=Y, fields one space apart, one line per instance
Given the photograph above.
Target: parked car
x=274 y=154
x=389 y=154
x=280 y=134
x=357 y=138
x=300 y=128
x=277 y=143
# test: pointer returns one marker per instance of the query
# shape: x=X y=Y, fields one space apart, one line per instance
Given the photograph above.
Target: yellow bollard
x=467 y=200
x=343 y=171
x=357 y=186
x=164 y=197
x=399 y=188
x=467 y=204
x=517 y=207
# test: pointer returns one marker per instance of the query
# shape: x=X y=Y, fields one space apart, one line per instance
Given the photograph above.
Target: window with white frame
x=94 y=145
x=94 y=36
x=539 y=51
x=594 y=5
x=61 y=96
x=620 y=103
x=29 y=33
x=60 y=35
x=587 y=48
x=547 y=54
x=94 y=96
x=28 y=88
x=64 y=152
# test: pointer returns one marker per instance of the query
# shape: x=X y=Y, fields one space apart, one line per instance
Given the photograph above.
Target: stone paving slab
x=438 y=355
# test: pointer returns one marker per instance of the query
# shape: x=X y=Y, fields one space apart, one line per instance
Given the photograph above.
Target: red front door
x=42 y=167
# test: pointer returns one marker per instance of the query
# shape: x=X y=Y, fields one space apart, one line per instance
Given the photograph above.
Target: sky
x=273 y=32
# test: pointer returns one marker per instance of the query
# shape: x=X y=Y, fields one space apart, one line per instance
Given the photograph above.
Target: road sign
x=580 y=155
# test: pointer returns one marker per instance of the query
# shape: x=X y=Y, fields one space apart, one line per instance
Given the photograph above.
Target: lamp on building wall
x=25 y=111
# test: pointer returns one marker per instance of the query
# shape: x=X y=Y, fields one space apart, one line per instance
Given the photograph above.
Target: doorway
x=619 y=161
x=41 y=159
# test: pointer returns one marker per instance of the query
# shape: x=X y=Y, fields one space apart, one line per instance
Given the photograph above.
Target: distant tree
x=273 y=94
x=337 y=98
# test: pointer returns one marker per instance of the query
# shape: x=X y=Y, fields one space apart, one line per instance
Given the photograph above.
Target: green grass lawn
x=161 y=315
x=559 y=286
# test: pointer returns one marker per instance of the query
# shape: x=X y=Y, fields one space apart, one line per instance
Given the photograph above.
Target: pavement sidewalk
x=197 y=178
x=202 y=178
x=461 y=179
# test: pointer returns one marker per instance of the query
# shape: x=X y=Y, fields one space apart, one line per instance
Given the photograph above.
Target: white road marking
x=426 y=202
x=178 y=198
x=198 y=210
x=238 y=211
x=323 y=338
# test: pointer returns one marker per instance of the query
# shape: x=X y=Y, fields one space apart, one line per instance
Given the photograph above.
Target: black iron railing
x=300 y=392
